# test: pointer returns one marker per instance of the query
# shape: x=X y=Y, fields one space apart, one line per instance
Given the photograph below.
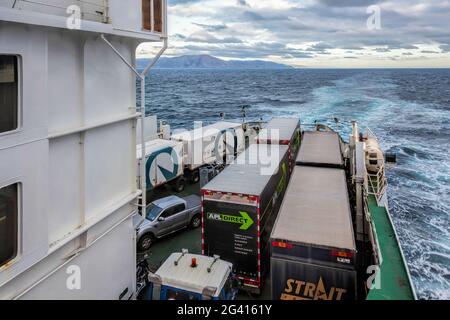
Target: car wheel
x=196 y=221
x=145 y=242
x=179 y=185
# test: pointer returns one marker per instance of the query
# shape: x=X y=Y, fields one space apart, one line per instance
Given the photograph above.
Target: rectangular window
x=146 y=15
x=9 y=204
x=9 y=93
x=156 y=12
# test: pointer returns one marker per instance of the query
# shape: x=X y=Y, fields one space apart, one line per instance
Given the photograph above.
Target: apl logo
x=243 y=220
x=302 y=290
x=162 y=166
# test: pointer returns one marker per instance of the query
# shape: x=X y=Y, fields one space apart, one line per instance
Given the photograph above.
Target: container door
x=292 y=280
x=230 y=231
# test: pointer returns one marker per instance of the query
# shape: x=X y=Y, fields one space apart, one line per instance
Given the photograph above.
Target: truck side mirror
x=161 y=219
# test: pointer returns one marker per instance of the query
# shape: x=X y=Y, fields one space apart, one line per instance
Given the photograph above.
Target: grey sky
x=322 y=33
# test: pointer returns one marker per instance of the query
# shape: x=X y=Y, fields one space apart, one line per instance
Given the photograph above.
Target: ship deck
x=394 y=278
x=395 y=283
x=190 y=239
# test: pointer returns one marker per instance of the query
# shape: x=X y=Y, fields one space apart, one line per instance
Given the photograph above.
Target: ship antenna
x=336 y=120
x=244 y=113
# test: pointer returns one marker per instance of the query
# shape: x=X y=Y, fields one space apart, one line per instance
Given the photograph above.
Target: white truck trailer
x=163 y=163
x=217 y=142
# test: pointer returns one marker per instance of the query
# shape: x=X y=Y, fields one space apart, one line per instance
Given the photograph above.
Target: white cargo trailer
x=313 y=250
x=164 y=163
x=217 y=142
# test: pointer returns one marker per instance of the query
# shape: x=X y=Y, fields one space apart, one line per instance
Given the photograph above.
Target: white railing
x=372 y=233
x=91 y=10
x=370 y=134
x=376 y=183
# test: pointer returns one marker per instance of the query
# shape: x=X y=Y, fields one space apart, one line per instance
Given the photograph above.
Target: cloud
x=325 y=29
x=382 y=50
x=211 y=27
x=206 y=37
x=181 y=2
x=265 y=16
x=320 y=47
x=243 y=3
x=349 y=3
x=445 y=47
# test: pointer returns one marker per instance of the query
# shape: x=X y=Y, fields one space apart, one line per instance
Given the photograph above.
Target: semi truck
x=185 y=276
x=239 y=207
x=163 y=164
x=283 y=131
x=313 y=250
x=220 y=142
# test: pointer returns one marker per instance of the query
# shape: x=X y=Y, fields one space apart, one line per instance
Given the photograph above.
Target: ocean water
x=409 y=111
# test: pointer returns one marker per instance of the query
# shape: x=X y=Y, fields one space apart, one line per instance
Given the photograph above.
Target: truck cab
x=185 y=276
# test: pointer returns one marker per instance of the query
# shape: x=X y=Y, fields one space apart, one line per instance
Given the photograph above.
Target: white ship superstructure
x=68 y=145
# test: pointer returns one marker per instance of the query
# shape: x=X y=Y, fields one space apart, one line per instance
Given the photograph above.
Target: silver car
x=167 y=215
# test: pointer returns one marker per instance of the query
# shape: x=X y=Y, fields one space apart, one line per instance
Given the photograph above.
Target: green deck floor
x=395 y=284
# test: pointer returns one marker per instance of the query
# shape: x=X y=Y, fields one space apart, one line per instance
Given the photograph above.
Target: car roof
x=164 y=202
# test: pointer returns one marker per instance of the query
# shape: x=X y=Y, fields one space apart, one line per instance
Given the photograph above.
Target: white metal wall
x=75 y=157
x=93 y=10
x=122 y=15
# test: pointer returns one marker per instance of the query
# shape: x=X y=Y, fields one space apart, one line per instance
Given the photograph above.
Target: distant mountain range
x=210 y=62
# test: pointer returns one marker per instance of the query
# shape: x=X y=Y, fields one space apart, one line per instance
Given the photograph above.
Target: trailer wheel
x=179 y=184
x=145 y=242
x=196 y=221
x=195 y=176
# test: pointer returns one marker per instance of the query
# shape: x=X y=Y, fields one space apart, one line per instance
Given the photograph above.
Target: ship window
x=146 y=15
x=9 y=93
x=150 y=13
x=157 y=7
x=8 y=223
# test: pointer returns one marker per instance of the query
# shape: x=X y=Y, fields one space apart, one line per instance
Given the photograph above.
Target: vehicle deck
x=190 y=239
x=394 y=278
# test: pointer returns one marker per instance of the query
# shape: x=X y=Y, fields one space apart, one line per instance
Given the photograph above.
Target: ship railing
x=376 y=183
x=372 y=233
x=316 y=126
x=369 y=134
x=91 y=10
